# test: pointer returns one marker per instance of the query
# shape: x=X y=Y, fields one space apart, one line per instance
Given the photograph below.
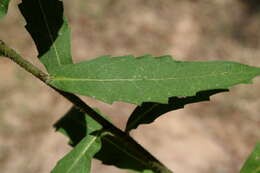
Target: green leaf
x=114 y=151
x=79 y=159
x=85 y=140
x=76 y=125
x=148 y=79
x=3 y=7
x=49 y=30
x=149 y=111
x=252 y=165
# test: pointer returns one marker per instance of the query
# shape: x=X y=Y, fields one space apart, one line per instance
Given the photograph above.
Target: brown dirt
x=213 y=137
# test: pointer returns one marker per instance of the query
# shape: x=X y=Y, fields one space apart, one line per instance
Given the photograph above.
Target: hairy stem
x=155 y=164
x=11 y=54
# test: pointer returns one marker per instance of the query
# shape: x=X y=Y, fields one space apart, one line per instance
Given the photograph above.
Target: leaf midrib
x=144 y=78
x=49 y=33
x=82 y=153
x=115 y=144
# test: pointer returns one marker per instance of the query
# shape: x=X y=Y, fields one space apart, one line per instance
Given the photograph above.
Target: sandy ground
x=213 y=137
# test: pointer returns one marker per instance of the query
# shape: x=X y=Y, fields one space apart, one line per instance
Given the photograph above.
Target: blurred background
x=208 y=137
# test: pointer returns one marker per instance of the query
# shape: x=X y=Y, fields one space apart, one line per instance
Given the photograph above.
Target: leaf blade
x=113 y=150
x=49 y=30
x=131 y=79
x=149 y=111
x=252 y=164
x=79 y=159
x=3 y=7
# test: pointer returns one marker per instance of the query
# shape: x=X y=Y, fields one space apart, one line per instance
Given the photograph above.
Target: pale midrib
x=49 y=32
x=82 y=153
x=143 y=79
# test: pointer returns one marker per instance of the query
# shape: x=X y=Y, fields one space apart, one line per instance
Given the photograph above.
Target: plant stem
x=11 y=54
x=155 y=164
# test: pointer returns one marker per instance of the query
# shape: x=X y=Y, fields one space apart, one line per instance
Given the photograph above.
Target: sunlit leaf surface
x=148 y=79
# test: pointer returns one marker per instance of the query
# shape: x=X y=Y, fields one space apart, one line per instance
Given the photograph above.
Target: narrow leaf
x=79 y=159
x=252 y=165
x=49 y=30
x=114 y=151
x=3 y=7
x=76 y=125
x=149 y=111
x=148 y=79
x=85 y=140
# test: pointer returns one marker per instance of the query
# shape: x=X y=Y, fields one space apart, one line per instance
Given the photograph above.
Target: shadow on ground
x=208 y=137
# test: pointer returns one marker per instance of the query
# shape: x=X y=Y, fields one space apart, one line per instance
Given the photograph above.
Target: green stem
x=11 y=54
x=155 y=164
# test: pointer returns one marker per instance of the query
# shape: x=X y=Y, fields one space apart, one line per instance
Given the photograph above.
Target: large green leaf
x=79 y=159
x=149 y=111
x=114 y=151
x=252 y=165
x=49 y=30
x=3 y=7
x=148 y=79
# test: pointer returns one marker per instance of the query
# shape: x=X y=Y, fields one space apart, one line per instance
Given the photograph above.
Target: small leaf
x=149 y=111
x=148 y=79
x=49 y=30
x=114 y=151
x=252 y=165
x=3 y=7
x=76 y=125
x=79 y=159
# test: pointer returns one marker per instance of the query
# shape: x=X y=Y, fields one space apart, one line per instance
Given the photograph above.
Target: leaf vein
x=49 y=32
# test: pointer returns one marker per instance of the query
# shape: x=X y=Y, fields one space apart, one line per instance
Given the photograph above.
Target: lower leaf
x=252 y=165
x=79 y=159
x=114 y=151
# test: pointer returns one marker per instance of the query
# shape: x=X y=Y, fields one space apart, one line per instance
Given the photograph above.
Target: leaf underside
x=77 y=125
x=252 y=165
x=49 y=30
x=78 y=160
x=86 y=142
x=149 y=111
x=147 y=78
x=3 y=7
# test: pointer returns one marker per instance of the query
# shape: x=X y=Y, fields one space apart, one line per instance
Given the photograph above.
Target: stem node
x=155 y=165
